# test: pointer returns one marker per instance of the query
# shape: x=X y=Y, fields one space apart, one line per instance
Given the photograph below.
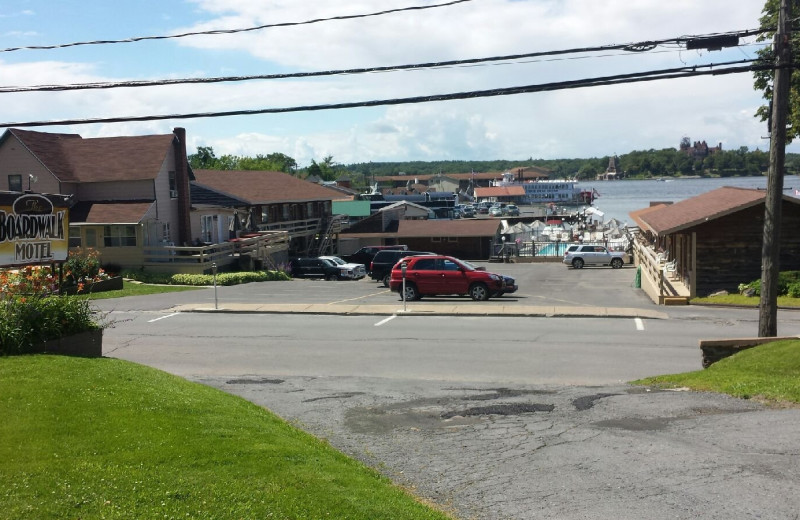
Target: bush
x=786 y=280
x=83 y=267
x=229 y=278
x=207 y=279
x=28 y=320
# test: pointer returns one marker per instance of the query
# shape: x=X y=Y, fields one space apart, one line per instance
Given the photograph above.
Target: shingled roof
x=671 y=218
x=500 y=191
x=131 y=212
x=71 y=158
x=262 y=187
x=448 y=228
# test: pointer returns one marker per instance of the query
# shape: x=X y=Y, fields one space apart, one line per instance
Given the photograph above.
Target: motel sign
x=34 y=229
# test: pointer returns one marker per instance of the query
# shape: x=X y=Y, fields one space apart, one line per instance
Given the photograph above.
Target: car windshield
x=328 y=262
x=336 y=260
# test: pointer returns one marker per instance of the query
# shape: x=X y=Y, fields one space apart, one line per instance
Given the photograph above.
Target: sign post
x=403 y=267
x=214 y=272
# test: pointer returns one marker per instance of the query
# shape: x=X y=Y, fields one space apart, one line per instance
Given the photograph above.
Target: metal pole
x=214 y=272
x=403 y=269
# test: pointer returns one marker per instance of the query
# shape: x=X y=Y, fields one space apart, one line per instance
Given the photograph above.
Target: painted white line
x=162 y=317
x=387 y=320
x=639 y=323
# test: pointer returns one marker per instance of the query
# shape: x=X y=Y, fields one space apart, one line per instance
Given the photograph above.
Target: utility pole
x=770 y=251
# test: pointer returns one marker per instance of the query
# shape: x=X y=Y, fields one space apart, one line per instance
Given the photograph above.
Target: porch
x=664 y=280
x=266 y=249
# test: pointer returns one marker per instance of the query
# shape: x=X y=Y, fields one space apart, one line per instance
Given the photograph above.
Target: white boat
x=558 y=192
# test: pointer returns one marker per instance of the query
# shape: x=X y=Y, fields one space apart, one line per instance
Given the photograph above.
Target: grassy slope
x=770 y=371
x=103 y=438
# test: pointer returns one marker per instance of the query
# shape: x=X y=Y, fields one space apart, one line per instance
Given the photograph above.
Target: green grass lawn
x=104 y=438
x=770 y=372
x=137 y=289
x=744 y=301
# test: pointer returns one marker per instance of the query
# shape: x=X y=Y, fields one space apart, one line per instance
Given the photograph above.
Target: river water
x=618 y=198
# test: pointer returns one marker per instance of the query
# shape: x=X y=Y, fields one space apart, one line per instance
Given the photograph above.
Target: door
x=454 y=281
x=425 y=276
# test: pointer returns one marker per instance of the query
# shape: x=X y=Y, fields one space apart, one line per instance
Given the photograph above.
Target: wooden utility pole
x=770 y=251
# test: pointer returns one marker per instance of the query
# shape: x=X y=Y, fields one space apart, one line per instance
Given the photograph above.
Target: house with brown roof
x=128 y=193
x=713 y=241
x=226 y=204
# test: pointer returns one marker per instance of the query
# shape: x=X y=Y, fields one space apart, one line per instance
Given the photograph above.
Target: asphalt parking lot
x=539 y=284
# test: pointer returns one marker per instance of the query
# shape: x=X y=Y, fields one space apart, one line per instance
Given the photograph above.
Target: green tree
x=764 y=78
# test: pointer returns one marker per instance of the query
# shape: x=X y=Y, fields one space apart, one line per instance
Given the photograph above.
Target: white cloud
x=570 y=123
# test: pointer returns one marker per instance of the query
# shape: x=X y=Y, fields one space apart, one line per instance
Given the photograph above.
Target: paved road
x=493 y=443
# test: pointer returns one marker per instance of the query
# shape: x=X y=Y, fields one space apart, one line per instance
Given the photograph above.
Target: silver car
x=348 y=271
x=579 y=255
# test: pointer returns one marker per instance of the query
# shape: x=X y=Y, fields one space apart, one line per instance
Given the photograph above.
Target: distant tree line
x=668 y=162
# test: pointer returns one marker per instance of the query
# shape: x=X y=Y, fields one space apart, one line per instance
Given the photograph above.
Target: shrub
x=28 y=320
x=82 y=267
x=794 y=290
x=786 y=279
x=207 y=279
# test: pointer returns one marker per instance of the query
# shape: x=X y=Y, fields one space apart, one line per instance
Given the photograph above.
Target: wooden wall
x=729 y=248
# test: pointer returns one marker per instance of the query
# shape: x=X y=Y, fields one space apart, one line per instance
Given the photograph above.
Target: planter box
x=112 y=284
x=83 y=344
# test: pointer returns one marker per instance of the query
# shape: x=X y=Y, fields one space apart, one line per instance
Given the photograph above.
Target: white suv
x=579 y=255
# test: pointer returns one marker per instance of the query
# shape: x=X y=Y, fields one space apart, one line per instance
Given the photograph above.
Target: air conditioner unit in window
x=173 y=194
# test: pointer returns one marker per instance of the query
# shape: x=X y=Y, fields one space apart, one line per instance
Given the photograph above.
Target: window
x=91 y=237
x=173 y=186
x=119 y=236
x=15 y=183
x=264 y=214
x=165 y=234
x=449 y=265
x=74 y=236
x=425 y=264
x=206 y=227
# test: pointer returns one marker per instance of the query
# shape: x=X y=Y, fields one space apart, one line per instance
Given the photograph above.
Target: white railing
x=199 y=258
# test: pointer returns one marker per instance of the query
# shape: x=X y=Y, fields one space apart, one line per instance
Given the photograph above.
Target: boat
x=557 y=191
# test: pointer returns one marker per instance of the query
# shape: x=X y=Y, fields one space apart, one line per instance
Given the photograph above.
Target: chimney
x=182 y=184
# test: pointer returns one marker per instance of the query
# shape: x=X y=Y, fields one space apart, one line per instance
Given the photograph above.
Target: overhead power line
x=682 y=72
x=695 y=41
x=231 y=31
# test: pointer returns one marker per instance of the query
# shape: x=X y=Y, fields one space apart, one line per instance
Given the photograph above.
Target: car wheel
x=616 y=263
x=386 y=279
x=479 y=292
x=577 y=263
x=411 y=292
x=331 y=277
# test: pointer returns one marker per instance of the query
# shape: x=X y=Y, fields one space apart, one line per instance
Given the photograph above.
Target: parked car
x=495 y=211
x=579 y=255
x=438 y=274
x=381 y=268
x=512 y=210
x=348 y=271
x=314 y=268
x=483 y=210
x=467 y=211
x=366 y=254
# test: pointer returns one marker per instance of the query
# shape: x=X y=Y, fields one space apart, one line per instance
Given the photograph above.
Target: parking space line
x=639 y=323
x=163 y=317
x=386 y=320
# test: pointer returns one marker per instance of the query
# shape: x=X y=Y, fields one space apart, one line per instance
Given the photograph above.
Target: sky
x=575 y=123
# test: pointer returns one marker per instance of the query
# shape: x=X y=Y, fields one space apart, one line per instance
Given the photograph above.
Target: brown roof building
x=716 y=238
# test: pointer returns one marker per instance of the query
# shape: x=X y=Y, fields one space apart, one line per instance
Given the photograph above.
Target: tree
x=764 y=78
x=204 y=159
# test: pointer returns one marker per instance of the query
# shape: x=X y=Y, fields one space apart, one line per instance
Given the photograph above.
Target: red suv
x=427 y=275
